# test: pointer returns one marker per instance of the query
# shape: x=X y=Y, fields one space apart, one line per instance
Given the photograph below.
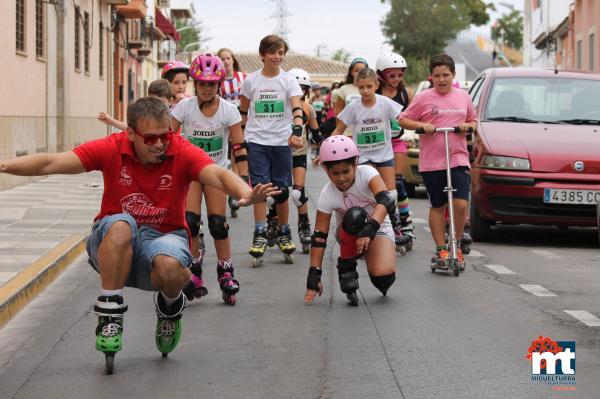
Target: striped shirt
x=230 y=88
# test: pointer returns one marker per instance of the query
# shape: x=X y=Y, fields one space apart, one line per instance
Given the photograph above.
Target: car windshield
x=544 y=100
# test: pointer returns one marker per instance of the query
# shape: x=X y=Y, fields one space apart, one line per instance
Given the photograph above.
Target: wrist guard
x=370 y=229
x=297 y=130
x=314 y=278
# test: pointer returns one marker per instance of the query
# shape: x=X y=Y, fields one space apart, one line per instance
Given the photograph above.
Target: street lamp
x=507 y=5
x=192 y=25
x=191 y=45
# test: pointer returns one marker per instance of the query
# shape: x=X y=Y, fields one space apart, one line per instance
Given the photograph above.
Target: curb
x=27 y=284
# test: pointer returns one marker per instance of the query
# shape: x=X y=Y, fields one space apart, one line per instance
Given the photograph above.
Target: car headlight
x=510 y=163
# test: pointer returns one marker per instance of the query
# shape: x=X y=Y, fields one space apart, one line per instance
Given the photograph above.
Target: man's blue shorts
x=147 y=243
x=270 y=164
x=435 y=181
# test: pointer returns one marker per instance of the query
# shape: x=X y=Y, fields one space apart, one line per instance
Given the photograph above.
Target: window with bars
x=101 y=49
x=86 y=42
x=39 y=28
x=77 y=46
x=20 y=19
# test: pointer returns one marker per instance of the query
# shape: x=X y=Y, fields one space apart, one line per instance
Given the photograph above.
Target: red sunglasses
x=151 y=139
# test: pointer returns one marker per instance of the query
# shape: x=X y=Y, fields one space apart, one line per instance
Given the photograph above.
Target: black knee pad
x=401 y=187
x=218 y=227
x=354 y=220
x=383 y=283
x=281 y=198
x=193 y=222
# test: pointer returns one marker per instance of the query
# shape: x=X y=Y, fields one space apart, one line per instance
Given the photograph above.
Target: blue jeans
x=146 y=243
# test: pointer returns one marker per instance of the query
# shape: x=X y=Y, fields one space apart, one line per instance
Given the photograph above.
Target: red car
x=537 y=149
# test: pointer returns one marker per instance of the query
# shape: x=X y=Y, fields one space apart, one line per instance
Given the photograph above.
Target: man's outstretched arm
x=43 y=164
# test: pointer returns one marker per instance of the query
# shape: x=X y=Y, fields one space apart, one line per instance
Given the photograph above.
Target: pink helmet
x=337 y=148
x=207 y=68
x=176 y=66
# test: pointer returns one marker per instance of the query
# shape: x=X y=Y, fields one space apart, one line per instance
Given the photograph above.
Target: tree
x=422 y=28
x=341 y=55
x=512 y=27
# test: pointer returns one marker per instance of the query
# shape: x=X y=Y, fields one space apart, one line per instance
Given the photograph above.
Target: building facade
x=541 y=19
x=66 y=61
x=56 y=76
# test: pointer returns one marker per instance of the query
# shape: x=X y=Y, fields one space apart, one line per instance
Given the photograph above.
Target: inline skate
x=285 y=244
x=304 y=233
x=168 y=323
x=109 y=331
x=229 y=285
x=258 y=248
x=348 y=278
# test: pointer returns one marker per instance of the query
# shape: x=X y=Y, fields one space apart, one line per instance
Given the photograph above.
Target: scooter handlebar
x=455 y=129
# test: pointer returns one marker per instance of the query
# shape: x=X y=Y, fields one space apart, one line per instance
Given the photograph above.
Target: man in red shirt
x=140 y=237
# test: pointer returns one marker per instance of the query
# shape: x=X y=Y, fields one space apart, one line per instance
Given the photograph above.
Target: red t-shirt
x=155 y=194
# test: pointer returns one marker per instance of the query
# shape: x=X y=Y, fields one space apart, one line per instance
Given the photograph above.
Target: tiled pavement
x=37 y=217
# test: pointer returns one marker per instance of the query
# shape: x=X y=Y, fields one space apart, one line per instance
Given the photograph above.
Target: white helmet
x=301 y=76
x=390 y=60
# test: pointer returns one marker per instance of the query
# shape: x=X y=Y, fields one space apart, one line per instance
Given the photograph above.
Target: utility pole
x=281 y=13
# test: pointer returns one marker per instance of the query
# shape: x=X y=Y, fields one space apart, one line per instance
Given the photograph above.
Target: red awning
x=166 y=26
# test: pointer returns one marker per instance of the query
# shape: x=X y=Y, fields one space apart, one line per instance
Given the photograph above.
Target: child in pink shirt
x=443 y=106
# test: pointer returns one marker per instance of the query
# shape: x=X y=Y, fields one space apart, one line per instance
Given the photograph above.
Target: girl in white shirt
x=208 y=122
x=361 y=202
x=369 y=119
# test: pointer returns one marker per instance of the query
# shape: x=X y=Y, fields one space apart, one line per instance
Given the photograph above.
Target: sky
x=354 y=25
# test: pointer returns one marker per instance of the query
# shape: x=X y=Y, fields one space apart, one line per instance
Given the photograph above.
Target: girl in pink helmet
x=390 y=71
x=209 y=122
x=360 y=200
x=177 y=73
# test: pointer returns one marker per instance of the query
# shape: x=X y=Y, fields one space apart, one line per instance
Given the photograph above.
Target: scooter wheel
x=164 y=355
x=455 y=268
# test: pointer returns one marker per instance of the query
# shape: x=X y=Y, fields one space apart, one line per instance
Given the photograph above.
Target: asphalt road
x=434 y=336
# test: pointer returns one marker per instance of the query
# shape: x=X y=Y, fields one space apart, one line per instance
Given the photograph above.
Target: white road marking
x=476 y=254
x=427 y=229
x=500 y=269
x=536 y=290
x=585 y=317
x=546 y=254
x=419 y=221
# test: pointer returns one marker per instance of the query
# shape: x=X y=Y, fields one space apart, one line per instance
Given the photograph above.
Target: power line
x=281 y=13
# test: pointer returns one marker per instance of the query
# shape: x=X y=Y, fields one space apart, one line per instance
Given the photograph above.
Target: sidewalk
x=43 y=226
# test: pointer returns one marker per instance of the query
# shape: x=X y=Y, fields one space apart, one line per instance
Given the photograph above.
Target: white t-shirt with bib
x=270 y=113
x=209 y=133
x=359 y=194
x=371 y=129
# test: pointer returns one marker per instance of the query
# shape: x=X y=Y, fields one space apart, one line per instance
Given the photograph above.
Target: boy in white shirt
x=270 y=100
